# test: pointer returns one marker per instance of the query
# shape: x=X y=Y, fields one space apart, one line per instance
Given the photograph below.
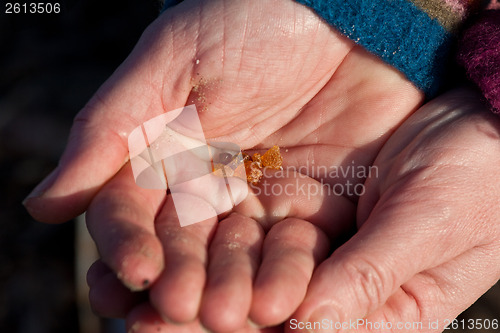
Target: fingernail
x=41 y=188
x=327 y=318
x=125 y=279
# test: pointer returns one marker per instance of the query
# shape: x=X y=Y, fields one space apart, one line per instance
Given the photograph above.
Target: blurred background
x=50 y=65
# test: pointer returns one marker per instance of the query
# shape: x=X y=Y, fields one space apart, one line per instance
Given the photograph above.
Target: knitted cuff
x=413 y=36
x=479 y=54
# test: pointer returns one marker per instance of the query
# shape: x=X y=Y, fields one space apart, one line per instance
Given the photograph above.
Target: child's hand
x=256 y=263
x=261 y=73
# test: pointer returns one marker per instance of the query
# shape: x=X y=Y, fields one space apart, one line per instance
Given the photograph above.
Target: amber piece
x=272 y=158
x=235 y=162
x=223 y=158
x=246 y=157
x=257 y=159
x=226 y=165
x=253 y=171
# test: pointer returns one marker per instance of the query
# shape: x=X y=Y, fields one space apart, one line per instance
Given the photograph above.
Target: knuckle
x=371 y=282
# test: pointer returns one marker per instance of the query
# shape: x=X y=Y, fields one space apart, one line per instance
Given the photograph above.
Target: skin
x=428 y=242
x=329 y=103
x=414 y=205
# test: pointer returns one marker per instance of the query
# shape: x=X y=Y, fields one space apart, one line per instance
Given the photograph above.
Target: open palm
x=264 y=72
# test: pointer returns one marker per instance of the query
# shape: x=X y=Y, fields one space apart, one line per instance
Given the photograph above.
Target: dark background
x=50 y=65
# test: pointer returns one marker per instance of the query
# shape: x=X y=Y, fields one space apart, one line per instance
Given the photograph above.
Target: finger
x=177 y=293
x=234 y=258
x=363 y=273
x=144 y=319
x=291 y=251
x=284 y=193
x=433 y=298
x=97 y=270
x=97 y=147
x=108 y=296
x=121 y=222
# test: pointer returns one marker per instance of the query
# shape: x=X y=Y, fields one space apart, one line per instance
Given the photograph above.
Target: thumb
x=397 y=241
x=98 y=144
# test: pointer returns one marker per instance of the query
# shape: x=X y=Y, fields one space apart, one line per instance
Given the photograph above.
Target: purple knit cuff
x=479 y=54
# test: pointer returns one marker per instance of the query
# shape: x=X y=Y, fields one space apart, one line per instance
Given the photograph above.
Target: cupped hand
x=261 y=73
x=252 y=266
x=428 y=243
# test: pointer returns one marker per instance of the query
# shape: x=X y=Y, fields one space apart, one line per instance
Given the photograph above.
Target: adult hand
x=428 y=243
x=261 y=73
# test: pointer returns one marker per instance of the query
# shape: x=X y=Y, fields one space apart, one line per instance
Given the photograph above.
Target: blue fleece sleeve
x=398 y=31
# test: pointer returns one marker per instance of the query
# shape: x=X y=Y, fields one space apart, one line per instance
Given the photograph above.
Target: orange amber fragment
x=253 y=165
x=257 y=158
x=272 y=158
x=253 y=170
